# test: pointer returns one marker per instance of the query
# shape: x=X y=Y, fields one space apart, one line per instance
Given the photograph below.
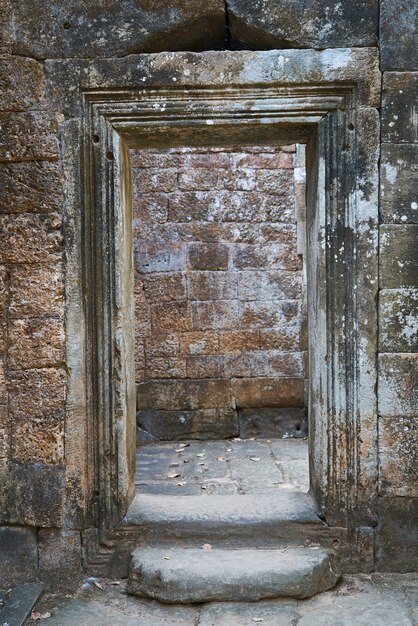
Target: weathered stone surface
x=29 y=136
x=34 y=495
x=226 y=69
x=36 y=291
x=31 y=187
x=51 y=30
x=20 y=602
x=36 y=343
x=21 y=84
x=398 y=382
x=398 y=317
x=398 y=256
x=267 y=422
x=163 y=287
x=288 y=24
x=37 y=393
x=267 y=613
x=18 y=554
x=197 y=424
x=208 y=256
x=4 y=302
x=399 y=102
x=60 y=557
x=396 y=535
x=183 y=395
x=398 y=25
x=225 y=575
x=398 y=456
x=268 y=392
x=6 y=32
x=398 y=187
x=38 y=441
x=30 y=238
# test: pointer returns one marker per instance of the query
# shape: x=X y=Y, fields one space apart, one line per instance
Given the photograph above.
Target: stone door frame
x=328 y=100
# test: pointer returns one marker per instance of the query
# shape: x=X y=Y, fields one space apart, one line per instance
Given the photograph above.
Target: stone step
x=195 y=575
x=285 y=515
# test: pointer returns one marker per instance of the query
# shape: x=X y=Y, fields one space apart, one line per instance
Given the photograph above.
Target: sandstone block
x=162 y=345
x=398 y=256
x=289 y=422
x=152 y=257
x=190 y=206
x=164 y=287
x=36 y=291
x=286 y=338
x=206 y=366
x=399 y=102
x=211 y=286
x=398 y=320
x=266 y=313
x=29 y=136
x=158 y=179
x=398 y=20
x=184 y=394
x=30 y=238
x=238 y=341
x=398 y=456
x=165 y=367
x=398 y=382
x=199 y=342
x=30 y=187
x=219 y=314
x=272 y=256
x=268 y=392
x=269 y=285
x=4 y=297
x=18 y=555
x=21 y=84
x=35 y=495
x=37 y=393
x=289 y=24
x=151 y=208
x=36 y=342
x=171 y=317
x=60 y=558
x=197 y=179
x=242 y=179
x=48 y=30
x=38 y=441
x=198 y=424
x=395 y=543
x=4 y=434
x=208 y=256
x=399 y=179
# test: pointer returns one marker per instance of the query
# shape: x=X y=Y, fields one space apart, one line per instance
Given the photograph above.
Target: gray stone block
x=398 y=183
x=396 y=535
x=398 y=456
x=18 y=555
x=398 y=256
x=312 y=24
x=111 y=28
x=398 y=320
x=399 y=106
x=398 y=28
x=398 y=384
x=60 y=558
x=198 y=424
x=270 y=422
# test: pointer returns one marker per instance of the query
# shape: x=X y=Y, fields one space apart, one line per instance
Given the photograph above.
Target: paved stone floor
x=362 y=600
x=223 y=467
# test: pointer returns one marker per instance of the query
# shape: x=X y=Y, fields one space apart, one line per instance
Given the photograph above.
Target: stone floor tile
x=268 y=613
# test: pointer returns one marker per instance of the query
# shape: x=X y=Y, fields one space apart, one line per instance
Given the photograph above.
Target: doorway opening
x=221 y=347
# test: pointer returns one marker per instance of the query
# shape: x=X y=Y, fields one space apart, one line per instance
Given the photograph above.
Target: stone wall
x=37 y=476
x=218 y=293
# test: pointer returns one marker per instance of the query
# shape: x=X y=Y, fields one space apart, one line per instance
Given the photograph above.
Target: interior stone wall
x=34 y=476
x=218 y=293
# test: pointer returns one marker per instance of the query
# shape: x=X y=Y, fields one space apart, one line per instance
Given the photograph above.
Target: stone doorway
x=221 y=309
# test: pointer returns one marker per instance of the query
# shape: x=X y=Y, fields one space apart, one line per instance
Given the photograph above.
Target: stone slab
x=268 y=392
x=115 y=29
x=31 y=187
x=198 y=424
x=396 y=535
x=266 y=613
x=184 y=395
x=311 y=24
x=397 y=385
x=398 y=320
x=398 y=456
x=398 y=26
x=18 y=554
x=268 y=422
x=225 y=69
x=399 y=181
x=398 y=256
x=20 y=603
x=190 y=575
x=29 y=136
x=399 y=105
x=21 y=84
